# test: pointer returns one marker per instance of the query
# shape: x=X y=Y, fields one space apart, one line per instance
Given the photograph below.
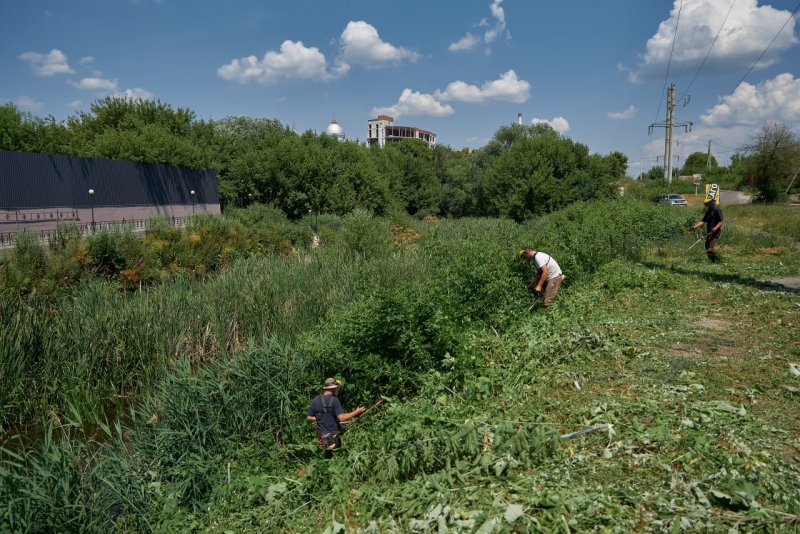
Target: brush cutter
x=347 y=425
x=703 y=238
x=536 y=297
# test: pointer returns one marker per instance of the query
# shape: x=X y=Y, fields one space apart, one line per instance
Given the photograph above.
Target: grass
x=689 y=361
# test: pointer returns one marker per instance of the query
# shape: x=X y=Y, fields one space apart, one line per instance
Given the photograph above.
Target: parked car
x=671 y=198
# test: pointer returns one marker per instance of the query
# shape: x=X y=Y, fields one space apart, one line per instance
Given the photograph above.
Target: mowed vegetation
x=179 y=405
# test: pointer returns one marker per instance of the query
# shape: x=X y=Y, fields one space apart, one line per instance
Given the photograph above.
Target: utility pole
x=640 y=164
x=668 y=135
x=668 y=125
x=708 y=157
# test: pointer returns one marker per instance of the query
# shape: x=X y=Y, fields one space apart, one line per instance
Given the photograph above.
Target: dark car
x=673 y=199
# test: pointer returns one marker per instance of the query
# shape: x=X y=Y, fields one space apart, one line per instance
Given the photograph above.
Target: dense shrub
x=366 y=235
x=111 y=251
x=585 y=236
x=26 y=267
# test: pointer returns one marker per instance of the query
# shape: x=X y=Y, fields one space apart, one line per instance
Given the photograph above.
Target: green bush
x=585 y=236
x=111 y=251
x=257 y=215
x=24 y=270
x=365 y=234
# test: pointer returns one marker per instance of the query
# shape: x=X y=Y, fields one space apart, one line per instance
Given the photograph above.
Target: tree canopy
x=772 y=157
x=523 y=170
x=699 y=163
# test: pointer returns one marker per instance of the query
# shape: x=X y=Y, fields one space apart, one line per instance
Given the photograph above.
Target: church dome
x=335 y=129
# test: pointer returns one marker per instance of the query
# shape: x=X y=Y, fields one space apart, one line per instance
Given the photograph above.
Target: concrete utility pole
x=668 y=125
x=668 y=135
x=708 y=157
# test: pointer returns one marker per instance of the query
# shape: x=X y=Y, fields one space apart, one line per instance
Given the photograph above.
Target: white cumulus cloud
x=50 y=64
x=137 y=93
x=294 y=61
x=94 y=84
x=776 y=100
x=507 y=88
x=470 y=41
x=629 y=113
x=415 y=103
x=500 y=25
x=559 y=124
x=361 y=45
x=746 y=33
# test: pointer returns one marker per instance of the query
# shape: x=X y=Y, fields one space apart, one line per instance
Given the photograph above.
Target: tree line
x=522 y=171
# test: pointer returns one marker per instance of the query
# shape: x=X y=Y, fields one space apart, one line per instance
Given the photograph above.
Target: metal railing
x=38 y=216
x=8 y=239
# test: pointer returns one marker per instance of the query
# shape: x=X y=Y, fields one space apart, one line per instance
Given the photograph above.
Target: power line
x=710 y=48
x=669 y=62
x=756 y=61
x=691 y=39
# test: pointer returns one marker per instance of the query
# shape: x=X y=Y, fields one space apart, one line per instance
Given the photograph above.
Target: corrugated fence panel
x=32 y=180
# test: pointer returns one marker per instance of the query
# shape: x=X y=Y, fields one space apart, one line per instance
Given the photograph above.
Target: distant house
x=40 y=191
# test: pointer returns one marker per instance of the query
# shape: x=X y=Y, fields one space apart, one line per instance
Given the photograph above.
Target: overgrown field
x=695 y=366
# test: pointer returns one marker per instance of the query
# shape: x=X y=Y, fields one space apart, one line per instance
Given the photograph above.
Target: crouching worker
x=548 y=277
x=326 y=411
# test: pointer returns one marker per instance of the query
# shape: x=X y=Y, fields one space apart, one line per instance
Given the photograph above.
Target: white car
x=671 y=198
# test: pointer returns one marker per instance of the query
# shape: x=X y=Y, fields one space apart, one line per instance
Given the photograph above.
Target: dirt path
x=792 y=282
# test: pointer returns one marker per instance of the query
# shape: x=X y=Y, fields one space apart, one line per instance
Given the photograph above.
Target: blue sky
x=462 y=68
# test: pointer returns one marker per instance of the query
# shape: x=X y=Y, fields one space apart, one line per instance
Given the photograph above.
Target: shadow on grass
x=726 y=278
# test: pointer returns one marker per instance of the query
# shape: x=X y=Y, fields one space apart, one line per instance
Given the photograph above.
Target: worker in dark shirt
x=713 y=220
x=326 y=411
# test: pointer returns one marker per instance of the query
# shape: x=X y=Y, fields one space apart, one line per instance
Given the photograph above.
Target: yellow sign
x=712 y=193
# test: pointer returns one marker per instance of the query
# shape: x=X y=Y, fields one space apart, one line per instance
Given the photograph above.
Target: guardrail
x=8 y=239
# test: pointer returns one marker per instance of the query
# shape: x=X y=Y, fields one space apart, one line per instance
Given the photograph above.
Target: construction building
x=382 y=130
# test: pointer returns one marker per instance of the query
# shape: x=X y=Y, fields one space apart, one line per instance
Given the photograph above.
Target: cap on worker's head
x=709 y=202
x=331 y=383
x=524 y=251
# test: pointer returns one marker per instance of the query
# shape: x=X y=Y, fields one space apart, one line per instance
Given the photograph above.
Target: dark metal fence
x=38 y=216
x=8 y=239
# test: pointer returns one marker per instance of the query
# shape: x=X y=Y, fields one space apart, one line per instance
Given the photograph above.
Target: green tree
x=16 y=129
x=409 y=167
x=453 y=171
x=147 y=131
x=698 y=163
x=616 y=165
x=23 y=132
x=656 y=172
x=540 y=171
x=772 y=158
